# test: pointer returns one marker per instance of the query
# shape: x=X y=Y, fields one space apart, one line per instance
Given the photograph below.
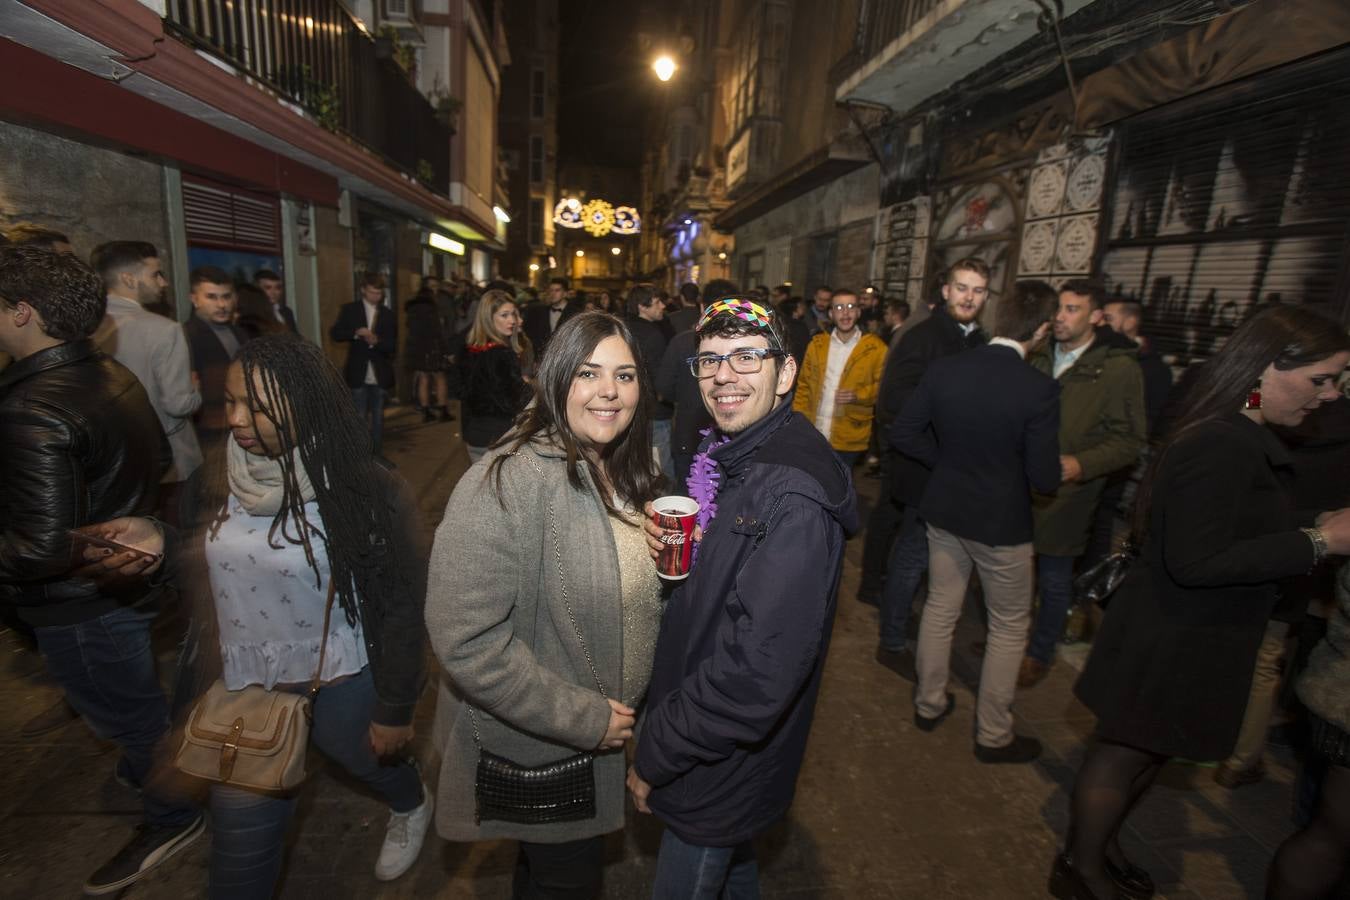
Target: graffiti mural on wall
x=1221 y=213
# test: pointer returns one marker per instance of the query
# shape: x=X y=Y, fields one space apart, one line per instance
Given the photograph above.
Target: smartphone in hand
x=81 y=541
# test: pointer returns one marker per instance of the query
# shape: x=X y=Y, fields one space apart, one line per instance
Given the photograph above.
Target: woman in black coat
x=1171 y=668
x=426 y=349
x=493 y=367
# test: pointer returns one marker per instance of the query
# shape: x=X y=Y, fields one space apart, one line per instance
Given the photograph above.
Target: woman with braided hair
x=298 y=502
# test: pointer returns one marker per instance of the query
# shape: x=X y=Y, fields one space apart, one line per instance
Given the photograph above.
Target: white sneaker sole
x=394 y=874
x=162 y=853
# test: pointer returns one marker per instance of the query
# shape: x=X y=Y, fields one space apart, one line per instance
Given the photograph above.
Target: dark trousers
x=369 y=400
x=908 y=565
x=106 y=667
x=882 y=526
x=1054 y=582
x=567 y=871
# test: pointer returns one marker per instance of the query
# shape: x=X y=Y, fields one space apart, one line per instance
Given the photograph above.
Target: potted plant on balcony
x=447 y=107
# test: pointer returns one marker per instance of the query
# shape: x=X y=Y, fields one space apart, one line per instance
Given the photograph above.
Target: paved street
x=882 y=810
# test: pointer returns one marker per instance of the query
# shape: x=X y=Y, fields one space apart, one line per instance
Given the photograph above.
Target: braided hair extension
x=307 y=402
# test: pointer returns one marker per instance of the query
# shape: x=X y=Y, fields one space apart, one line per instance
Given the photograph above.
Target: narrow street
x=882 y=810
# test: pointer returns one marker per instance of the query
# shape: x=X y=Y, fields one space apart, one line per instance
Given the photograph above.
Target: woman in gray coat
x=543 y=607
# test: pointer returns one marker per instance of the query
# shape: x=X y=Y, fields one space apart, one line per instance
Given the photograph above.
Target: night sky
x=605 y=85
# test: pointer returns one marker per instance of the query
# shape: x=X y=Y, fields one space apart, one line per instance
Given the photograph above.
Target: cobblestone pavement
x=882 y=810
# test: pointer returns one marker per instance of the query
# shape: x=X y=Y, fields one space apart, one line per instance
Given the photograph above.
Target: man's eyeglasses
x=742 y=362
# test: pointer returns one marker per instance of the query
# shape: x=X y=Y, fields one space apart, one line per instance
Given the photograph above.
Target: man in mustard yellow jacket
x=837 y=388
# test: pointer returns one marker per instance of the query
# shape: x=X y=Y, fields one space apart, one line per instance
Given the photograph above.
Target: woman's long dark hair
x=1286 y=337
x=311 y=407
x=628 y=460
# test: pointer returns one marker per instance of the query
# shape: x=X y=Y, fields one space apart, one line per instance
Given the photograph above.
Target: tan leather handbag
x=252 y=738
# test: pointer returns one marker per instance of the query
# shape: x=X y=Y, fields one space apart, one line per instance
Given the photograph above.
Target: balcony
x=312 y=54
x=906 y=51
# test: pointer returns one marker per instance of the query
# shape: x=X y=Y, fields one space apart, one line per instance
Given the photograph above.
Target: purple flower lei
x=703 y=482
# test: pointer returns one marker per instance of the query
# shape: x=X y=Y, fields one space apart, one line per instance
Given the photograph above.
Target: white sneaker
x=403 y=839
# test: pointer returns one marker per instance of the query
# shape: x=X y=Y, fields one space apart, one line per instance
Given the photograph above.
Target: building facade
x=317 y=139
x=528 y=113
x=1183 y=151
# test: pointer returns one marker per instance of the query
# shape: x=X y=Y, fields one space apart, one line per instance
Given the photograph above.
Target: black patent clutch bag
x=1097 y=584
x=559 y=791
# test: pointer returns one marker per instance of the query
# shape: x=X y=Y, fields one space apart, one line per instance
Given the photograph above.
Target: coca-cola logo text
x=673 y=538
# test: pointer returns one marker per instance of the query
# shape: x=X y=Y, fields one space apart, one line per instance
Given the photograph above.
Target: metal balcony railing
x=313 y=54
x=882 y=21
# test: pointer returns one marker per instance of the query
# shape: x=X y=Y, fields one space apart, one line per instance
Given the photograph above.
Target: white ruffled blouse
x=269 y=609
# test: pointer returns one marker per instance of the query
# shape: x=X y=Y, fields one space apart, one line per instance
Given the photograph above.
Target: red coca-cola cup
x=675 y=516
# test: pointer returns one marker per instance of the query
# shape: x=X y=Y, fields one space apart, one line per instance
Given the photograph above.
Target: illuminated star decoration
x=597 y=218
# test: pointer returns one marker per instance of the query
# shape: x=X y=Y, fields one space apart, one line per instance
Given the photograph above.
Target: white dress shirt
x=1064 y=360
x=840 y=351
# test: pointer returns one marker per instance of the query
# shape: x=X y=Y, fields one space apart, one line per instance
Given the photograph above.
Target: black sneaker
x=901 y=662
x=1023 y=749
x=923 y=723
x=151 y=846
x=122 y=775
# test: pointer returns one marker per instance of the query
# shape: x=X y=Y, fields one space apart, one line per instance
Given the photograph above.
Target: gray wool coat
x=500 y=628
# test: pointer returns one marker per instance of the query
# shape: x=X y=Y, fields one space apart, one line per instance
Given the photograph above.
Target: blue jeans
x=106 y=667
x=1054 y=582
x=908 y=564
x=249 y=829
x=686 y=872
x=369 y=399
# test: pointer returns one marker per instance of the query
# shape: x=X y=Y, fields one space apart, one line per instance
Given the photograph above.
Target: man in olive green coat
x=1101 y=429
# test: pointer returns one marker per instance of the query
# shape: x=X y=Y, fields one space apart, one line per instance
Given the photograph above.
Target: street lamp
x=534 y=267
x=615 y=250
x=664 y=67
x=581 y=253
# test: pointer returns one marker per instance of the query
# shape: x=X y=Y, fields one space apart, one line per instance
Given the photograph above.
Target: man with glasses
x=742 y=644
x=837 y=389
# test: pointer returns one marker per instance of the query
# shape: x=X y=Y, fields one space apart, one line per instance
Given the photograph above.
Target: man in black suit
x=213 y=340
x=542 y=319
x=986 y=423
x=891 y=574
x=269 y=283
x=371 y=329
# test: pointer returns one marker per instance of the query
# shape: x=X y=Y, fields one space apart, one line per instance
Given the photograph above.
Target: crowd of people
x=227 y=469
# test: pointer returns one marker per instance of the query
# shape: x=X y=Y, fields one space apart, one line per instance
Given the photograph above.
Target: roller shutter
x=1224 y=203
x=226 y=217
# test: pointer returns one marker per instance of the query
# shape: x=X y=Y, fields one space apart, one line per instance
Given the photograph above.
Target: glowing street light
x=581 y=253
x=615 y=250
x=664 y=67
x=534 y=267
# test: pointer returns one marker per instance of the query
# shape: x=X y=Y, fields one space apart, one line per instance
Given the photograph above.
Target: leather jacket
x=81 y=445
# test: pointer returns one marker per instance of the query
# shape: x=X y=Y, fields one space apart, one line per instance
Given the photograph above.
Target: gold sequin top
x=640 y=588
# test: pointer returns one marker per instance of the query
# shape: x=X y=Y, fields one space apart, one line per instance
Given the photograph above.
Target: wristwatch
x=1319 y=543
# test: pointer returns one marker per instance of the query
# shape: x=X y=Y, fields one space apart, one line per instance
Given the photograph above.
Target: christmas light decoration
x=597 y=216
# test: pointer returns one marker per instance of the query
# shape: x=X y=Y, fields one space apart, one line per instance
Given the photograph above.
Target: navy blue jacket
x=987 y=425
x=743 y=640
x=351 y=317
